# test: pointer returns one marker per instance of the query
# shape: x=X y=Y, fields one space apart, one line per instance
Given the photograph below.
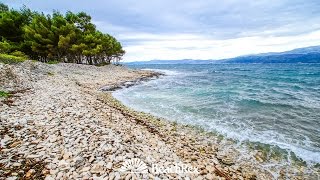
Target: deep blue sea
x=274 y=104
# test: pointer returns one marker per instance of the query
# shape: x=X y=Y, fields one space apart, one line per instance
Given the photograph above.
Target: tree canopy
x=69 y=37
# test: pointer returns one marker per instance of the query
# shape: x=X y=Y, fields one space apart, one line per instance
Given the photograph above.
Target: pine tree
x=69 y=38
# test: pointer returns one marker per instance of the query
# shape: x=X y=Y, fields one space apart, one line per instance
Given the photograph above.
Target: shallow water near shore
x=276 y=105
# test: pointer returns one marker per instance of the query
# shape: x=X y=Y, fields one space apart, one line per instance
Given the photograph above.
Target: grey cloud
x=206 y=19
x=219 y=19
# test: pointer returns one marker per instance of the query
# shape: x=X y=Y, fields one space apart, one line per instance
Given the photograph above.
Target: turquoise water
x=274 y=104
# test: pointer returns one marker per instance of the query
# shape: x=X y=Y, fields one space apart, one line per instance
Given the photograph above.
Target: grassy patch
x=4 y=94
x=11 y=59
x=102 y=64
x=19 y=54
x=53 y=62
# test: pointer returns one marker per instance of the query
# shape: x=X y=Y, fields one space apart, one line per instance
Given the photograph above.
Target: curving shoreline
x=227 y=157
x=65 y=125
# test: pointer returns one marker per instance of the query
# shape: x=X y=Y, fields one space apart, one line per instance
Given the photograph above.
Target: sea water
x=273 y=104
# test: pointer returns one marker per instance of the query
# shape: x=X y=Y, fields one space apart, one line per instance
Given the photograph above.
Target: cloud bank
x=203 y=29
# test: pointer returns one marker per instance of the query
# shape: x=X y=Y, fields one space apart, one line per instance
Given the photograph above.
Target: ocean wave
x=258 y=106
x=166 y=72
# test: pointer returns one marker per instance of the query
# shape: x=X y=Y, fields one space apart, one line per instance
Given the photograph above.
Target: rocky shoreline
x=59 y=124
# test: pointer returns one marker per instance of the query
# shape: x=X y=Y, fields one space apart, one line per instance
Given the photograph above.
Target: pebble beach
x=61 y=122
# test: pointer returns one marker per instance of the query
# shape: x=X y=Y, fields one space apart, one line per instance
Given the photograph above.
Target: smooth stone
x=85 y=169
x=16 y=164
x=109 y=165
x=34 y=156
x=49 y=178
x=12 y=178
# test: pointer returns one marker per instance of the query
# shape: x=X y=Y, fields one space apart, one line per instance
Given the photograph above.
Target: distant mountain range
x=301 y=55
x=182 y=61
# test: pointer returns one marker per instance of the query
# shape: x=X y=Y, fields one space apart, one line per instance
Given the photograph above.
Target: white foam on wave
x=269 y=138
x=165 y=71
x=245 y=132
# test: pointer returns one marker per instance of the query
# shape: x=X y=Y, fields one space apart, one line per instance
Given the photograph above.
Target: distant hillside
x=301 y=55
x=183 y=61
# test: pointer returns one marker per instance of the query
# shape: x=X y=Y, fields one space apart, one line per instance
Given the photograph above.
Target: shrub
x=103 y=64
x=19 y=54
x=53 y=62
x=4 y=94
x=11 y=59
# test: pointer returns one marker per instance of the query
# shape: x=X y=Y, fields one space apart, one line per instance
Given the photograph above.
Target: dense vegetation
x=70 y=38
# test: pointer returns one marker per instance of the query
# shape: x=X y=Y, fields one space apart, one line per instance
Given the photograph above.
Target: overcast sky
x=197 y=29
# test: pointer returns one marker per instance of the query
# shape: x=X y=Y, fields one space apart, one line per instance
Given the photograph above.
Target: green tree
x=39 y=36
x=5 y=46
x=3 y=7
x=11 y=28
x=69 y=38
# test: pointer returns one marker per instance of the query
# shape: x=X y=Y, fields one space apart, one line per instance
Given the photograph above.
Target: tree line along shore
x=56 y=37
